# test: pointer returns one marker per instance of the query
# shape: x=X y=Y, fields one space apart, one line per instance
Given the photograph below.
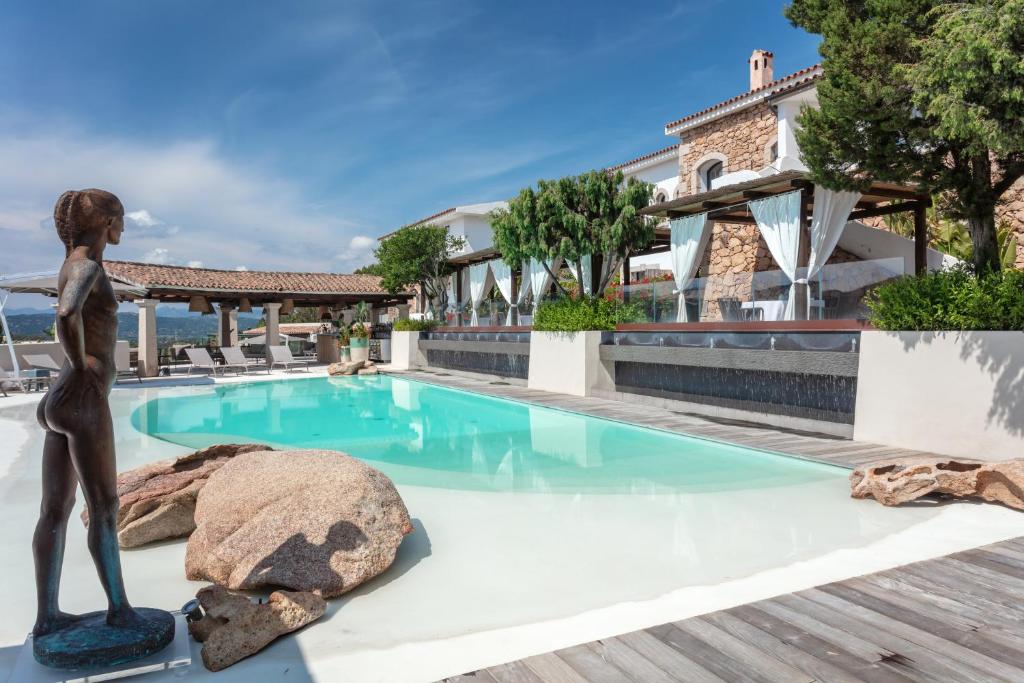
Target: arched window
x=661 y=197
x=707 y=173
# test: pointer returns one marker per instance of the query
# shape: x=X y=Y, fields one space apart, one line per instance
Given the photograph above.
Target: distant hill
x=168 y=328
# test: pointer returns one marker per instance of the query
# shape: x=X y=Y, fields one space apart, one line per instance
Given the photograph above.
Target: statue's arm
x=82 y=275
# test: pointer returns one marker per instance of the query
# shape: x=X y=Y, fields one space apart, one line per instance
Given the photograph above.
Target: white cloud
x=142 y=218
x=158 y=256
x=359 y=252
x=194 y=264
x=183 y=201
x=241 y=268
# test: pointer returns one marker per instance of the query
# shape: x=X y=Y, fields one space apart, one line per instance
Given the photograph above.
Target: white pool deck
x=489 y=577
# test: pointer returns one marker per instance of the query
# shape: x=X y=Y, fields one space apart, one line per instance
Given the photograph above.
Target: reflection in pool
x=439 y=437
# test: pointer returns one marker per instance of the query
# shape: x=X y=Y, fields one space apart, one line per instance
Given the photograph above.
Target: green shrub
x=954 y=299
x=571 y=314
x=414 y=325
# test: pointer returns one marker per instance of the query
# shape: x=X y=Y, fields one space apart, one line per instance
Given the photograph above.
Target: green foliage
x=344 y=333
x=418 y=255
x=952 y=236
x=370 y=269
x=595 y=213
x=950 y=300
x=407 y=325
x=923 y=91
x=578 y=314
x=302 y=315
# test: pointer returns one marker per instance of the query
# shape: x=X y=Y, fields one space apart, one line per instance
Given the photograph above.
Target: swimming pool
x=426 y=435
x=534 y=528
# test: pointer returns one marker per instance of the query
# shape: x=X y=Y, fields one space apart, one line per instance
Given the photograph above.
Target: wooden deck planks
x=956 y=618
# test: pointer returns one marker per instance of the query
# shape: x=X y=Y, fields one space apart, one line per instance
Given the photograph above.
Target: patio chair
x=233 y=356
x=282 y=355
x=731 y=308
x=200 y=358
x=44 y=366
x=126 y=372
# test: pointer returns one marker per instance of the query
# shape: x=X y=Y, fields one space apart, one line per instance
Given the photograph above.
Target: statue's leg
x=92 y=452
x=51 y=530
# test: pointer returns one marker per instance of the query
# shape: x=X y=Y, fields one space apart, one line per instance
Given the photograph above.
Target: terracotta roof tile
x=645 y=157
x=150 y=276
x=802 y=76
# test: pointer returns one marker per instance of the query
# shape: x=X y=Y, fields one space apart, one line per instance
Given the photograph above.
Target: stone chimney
x=761 y=62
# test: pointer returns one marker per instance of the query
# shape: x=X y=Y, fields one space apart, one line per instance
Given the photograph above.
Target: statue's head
x=83 y=217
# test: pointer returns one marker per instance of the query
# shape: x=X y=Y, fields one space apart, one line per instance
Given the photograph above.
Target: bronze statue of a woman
x=79 y=450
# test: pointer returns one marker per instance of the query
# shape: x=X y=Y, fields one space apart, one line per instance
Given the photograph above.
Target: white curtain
x=831 y=214
x=587 y=267
x=540 y=280
x=778 y=219
x=524 y=287
x=452 y=303
x=689 y=239
x=503 y=278
x=479 y=278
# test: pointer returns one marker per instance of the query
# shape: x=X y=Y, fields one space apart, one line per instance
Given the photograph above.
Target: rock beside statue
x=233 y=627
x=893 y=484
x=158 y=501
x=307 y=520
x=345 y=367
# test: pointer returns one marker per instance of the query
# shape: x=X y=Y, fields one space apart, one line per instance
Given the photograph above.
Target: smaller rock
x=896 y=483
x=233 y=627
x=369 y=371
x=345 y=367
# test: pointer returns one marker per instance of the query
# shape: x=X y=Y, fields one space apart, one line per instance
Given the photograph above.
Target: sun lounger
x=44 y=366
x=233 y=356
x=200 y=359
x=282 y=355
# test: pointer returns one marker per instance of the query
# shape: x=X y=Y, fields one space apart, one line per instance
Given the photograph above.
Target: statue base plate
x=28 y=670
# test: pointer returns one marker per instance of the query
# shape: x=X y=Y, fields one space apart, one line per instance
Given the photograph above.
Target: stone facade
x=735 y=251
x=742 y=141
x=1012 y=212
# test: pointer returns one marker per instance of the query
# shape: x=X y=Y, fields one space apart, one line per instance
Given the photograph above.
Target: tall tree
x=593 y=214
x=418 y=255
x=930 y=91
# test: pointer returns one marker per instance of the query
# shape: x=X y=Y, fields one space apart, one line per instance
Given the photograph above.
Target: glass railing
x=837 y=292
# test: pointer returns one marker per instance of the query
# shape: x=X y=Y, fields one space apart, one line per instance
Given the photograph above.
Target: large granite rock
x=893 y=484
x=158 y=501
x=345 y=367
x=306 y=520
x=233 y=627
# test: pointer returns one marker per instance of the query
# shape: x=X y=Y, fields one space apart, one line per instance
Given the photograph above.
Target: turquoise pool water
x=427 y=435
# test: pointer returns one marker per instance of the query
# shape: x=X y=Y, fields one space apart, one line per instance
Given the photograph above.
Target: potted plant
x=359 y=337
x=343 y=342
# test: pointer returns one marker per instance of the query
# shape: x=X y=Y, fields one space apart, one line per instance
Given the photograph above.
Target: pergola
x=233 y=291
x=729 y=204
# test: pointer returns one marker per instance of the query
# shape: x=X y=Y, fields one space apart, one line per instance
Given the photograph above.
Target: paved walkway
x=955 y=618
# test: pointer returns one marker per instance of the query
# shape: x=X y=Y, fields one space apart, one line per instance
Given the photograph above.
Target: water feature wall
x=505 y=354
x=800 y=375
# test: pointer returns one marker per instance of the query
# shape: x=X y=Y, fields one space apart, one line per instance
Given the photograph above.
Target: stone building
x=745 y=138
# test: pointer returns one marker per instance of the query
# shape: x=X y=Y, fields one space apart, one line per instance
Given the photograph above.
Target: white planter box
x=405 y=351
x=953 y=393
x=569 y=363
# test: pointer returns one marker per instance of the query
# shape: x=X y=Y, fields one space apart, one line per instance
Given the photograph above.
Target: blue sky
x=291 y=134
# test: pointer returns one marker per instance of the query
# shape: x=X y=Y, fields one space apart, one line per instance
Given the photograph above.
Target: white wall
x=788 y=109
x=873 y=243
x=664 y=176
x=952 y=393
